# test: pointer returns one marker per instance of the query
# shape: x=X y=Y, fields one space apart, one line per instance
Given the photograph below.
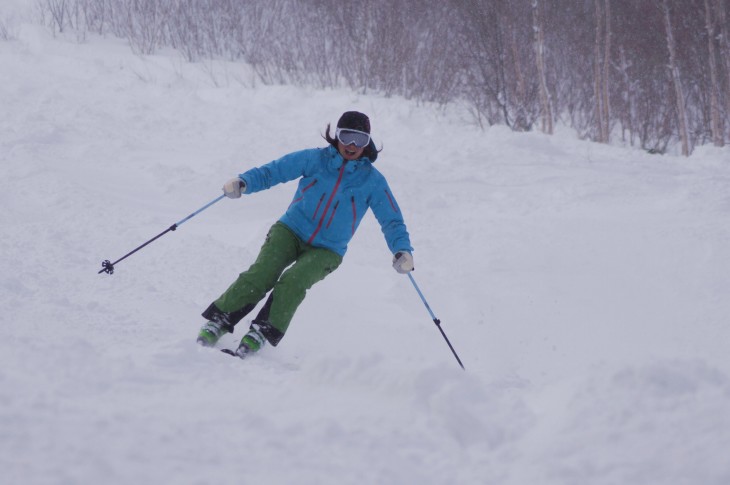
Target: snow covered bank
x=584 y=287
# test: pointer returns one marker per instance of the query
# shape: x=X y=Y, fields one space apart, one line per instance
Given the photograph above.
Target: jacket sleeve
x=386 y=211
x=287 y=168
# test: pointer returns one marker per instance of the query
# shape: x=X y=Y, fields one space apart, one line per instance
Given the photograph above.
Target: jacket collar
x=353 y=165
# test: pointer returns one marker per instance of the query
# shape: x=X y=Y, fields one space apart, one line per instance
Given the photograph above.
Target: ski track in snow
x=584 y=287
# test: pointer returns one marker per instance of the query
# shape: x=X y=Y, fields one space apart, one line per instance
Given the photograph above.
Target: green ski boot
x=212 y=331
x=251 y=342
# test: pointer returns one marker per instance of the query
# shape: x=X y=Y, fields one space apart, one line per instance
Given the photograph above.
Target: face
x=349 y=152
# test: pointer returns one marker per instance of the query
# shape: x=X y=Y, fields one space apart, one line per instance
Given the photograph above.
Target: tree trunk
x=597 y=74
x=628 y=97
x=676 y=81
x=546 y=111
x=722 y=22
x=715 y=127
x=606 y=69
x=521 y=118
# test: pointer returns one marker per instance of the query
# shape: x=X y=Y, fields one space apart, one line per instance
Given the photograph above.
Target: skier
x=337 y=185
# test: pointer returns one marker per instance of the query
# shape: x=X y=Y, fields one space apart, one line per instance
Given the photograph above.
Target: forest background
x=647 y=73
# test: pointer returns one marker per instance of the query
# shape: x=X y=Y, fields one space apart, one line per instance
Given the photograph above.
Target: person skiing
x=337 y=185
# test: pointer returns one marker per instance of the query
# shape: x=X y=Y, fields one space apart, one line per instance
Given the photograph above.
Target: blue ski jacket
x=332 y=197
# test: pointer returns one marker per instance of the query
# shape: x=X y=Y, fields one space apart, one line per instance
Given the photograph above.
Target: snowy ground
x=585 y=288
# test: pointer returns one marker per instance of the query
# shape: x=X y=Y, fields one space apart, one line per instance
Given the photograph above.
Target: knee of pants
x=292 y=284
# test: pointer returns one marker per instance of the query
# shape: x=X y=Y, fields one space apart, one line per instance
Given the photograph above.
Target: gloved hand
x=234 y=188
x=403 y=262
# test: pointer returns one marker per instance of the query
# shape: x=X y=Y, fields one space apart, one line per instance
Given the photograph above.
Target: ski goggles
x=353 y=137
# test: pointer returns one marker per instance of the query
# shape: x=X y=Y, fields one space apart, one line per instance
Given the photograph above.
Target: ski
x=233 y=353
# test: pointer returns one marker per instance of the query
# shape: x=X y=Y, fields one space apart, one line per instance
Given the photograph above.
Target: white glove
x=403 y=262
x=234 y=187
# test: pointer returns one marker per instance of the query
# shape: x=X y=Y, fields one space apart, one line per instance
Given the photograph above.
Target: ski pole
x=108 y=267
x=435 y=320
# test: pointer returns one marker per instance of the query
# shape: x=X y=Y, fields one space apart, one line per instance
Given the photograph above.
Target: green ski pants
x=281 y=250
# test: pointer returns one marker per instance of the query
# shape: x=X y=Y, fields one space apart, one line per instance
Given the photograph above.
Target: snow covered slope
x=584 y=287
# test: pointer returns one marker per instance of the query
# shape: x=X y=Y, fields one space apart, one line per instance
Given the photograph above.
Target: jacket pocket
x=304 y=191
x=392 y=203
x=332 y=216
x=319 y=204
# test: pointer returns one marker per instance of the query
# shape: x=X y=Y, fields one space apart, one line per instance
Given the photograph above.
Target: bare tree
x=628 y=95
x=59 y=11
x=715 y=128
x=724 y=54
x=606 y=104
x=676 y=79
x=598 y=75
x=546 y=110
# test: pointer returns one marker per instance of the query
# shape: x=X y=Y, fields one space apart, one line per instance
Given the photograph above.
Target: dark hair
x=370 y=151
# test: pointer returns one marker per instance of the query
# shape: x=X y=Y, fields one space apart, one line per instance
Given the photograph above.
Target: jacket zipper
x=354 y=214
x=332 y=216
x=327 y=206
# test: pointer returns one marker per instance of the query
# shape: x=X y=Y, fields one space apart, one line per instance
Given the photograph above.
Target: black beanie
x=354 y=120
